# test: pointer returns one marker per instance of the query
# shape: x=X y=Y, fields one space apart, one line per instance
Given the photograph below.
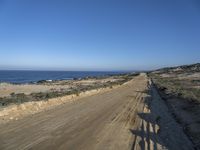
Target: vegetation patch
x=22 y=98
x=181 y=88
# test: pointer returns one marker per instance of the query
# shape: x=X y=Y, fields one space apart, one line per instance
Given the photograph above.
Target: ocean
x=35 y=76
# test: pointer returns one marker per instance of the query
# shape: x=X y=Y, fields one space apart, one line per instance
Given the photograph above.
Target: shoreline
x=17 y=108
x=45 y=86
x=34 y=77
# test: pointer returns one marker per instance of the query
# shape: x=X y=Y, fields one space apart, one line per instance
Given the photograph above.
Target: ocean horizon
x=33 y=76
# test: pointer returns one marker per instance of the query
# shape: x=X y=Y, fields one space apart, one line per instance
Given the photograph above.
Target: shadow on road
x=146 y=137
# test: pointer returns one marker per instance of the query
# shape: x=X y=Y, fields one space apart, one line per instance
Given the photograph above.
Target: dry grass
x=182 y=88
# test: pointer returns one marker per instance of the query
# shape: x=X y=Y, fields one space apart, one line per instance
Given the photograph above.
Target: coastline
x=13 y=107
x=31 y=76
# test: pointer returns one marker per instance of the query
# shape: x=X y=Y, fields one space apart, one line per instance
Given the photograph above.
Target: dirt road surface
x=106 y=121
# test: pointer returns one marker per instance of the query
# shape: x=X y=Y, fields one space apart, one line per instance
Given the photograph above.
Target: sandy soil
x=6 y=89
x=123 y=118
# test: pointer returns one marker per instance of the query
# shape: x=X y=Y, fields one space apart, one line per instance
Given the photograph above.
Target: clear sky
x=98 y=34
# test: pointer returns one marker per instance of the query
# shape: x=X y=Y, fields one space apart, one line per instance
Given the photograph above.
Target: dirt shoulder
x=186 y=113
x=180 y=92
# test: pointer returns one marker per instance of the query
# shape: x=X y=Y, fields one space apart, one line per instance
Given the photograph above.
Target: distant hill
x=179 y=69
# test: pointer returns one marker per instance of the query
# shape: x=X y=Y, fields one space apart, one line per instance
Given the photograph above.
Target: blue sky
x=98 y=34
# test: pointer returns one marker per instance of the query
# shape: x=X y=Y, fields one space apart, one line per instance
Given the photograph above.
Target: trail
x=108 y=121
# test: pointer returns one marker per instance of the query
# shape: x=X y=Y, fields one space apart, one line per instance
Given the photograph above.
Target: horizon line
x=72 y=70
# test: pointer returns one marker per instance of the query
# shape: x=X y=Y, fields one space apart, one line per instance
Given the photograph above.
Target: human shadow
x=147 y=134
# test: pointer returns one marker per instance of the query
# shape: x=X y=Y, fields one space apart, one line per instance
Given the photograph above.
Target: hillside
x=180 y=89
x=180 y=69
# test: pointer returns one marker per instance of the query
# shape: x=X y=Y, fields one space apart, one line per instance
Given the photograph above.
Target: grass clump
x=181 y=88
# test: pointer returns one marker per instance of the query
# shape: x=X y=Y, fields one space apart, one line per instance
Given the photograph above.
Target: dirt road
x=108 y=120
